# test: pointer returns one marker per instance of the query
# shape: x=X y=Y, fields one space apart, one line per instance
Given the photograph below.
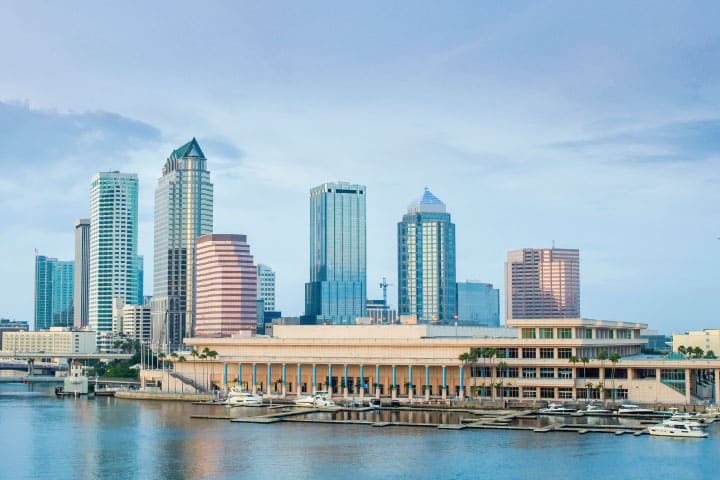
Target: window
x=547 y=353
x=511 y=353
x=531 y=393
x=588 y=333
x=547 y=373
x=528 y=333
x=564 y=332
x=529 y=372
x=528 y=353
x=547 y=392
x=507 y=372
x=546 y=332
x=511 y=392
x=564 y=352
x=565 y=372
x=565 y=393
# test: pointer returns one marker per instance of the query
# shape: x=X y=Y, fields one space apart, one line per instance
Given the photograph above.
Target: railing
x=188 y=381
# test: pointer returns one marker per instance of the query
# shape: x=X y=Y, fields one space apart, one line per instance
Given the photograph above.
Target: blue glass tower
x=336 y=292
x=478 y=304
x=426 y=262
x=54 y=291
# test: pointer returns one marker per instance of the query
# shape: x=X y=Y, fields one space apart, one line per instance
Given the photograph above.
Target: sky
x=593 y=125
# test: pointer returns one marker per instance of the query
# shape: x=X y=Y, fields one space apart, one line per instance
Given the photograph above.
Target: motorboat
x=556 y=409
x=243 y=398
x=677 y=429
x=674 y=422
x=595 y=410
x=687 y=417
x=375 y=403
x=306 y=401
x=629 y=409
x=318 y=399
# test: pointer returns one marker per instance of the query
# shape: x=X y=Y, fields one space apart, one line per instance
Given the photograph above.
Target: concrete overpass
x=74 y=356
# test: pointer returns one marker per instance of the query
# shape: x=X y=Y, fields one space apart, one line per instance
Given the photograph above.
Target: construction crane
x=384 y=286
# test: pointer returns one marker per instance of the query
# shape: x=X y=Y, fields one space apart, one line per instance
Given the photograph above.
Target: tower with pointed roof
x=426 y=262
x=183 y=212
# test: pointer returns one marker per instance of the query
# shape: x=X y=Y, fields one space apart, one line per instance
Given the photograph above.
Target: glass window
x=564 y=352
x=511 y=353
x=529 y=372
x=564 y=332
x=528 y=353
x=546 y=332
x=547 y=373
x=565 y=372
x=565 y=393
x=547 y=392
x=547 y=353
x=528 y=333
x=529 y=393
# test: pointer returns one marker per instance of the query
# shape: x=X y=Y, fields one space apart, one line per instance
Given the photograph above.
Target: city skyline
x=536 y=144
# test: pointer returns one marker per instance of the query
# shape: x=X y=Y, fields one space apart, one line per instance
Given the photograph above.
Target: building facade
x=226 y=286
x=707 y=340
x=55 y=340
x=54 y=286
x=183 y=212
x=380 y=313
x=426 y=262
x=337 y=290
x=7 y=325
x=478 y=304
x=82 y=272
x=542 y=283
x=113 y=246
x=266 y=287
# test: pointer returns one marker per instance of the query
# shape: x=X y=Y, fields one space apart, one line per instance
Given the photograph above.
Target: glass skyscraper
x=43 y=291
x=426 y=262
x=478 y=304
x=336 y=292
x=183 y=212
x=113 y=245
x=54 y=292
x=266 y=287
x=82 y=271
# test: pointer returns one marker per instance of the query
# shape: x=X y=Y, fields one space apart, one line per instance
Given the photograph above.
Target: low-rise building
x=7 y=325
x=55 y=340
x=707 y=340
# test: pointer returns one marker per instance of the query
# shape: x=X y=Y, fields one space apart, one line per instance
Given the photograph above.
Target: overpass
x=74 y=356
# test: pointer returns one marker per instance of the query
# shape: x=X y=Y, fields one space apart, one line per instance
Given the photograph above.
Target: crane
x=384 y=286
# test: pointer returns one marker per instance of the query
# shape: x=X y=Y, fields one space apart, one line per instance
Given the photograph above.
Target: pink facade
x=226 y=286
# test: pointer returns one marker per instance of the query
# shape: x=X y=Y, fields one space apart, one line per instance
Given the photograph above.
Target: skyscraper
x=183 y=212
x=426 y=261
x=53 y=292
x=43 y=291
x=266 y=287
x=113 y=245
x=336 y=292
x=82 y=272
x=542 y=283
x=226 y=286
x=478 y=304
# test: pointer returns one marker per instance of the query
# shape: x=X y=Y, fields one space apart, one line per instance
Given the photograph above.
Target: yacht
x=375 y=403
x=319 y=399
x=676 y=429
x=556 y=409
x=243 y=398
x=594 y=409
x=682 y=421
x=629 y=409
x=306 y=401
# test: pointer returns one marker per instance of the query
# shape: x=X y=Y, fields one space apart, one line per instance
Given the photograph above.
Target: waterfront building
x=183 y=212
x=113 y=245
x=266 y=287
x=82 y=272
x=54 y=282
x=426 y=262
x=541 y=360
x=542 y=283
x=337 y=289
x=707 y=340
x=478 y=304
x=55 y=340
x=226 y=286
x=380 y=312
x=7 y=325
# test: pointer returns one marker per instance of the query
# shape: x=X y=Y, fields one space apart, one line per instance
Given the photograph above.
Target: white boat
x=672 y=421
x=243 y=398
x=594 y=409
x=306 y=401
x=678 y=429
x=318 y=400
x=556 y=409
x=629 y=409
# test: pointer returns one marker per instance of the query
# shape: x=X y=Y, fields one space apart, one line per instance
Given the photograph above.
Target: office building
x=226 y=286
x=478 y=304
x=701 y=343
x=7 y=325
x=54 y=286
x=336 y=292
x=542 y=283
x=113 y=246
x=132 y=322
x=379 y=312
x=266 y=287
x=426 y=262
x=54 y=340
x=82 y=272
x=183 y=212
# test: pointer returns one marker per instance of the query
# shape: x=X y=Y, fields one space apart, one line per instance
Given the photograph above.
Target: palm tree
x=682 y=349
x=574 y=360
x=161 y=357
x=614 y=359
x=203 y=357
x=502 y=368
x=181 y=359
x=602 y=356
x=212 y=354
x=194 y=354
x=698 y=352
x=584 y=361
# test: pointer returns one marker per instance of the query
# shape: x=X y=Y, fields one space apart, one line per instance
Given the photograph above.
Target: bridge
x=74 y=356
x=28 y=365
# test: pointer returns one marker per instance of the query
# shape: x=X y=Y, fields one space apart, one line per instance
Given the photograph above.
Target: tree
x=194 y=354
x=614 y=359
x=682 y=349
x=698 y=352
x=181 y=359
x=212 y=354
x=574 y=360
x=161 y=357
x=502 y=369
x=710 y=354
x=602 y=356
x=585 y=361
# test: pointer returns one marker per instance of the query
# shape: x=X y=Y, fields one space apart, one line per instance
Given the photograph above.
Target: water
x=107 y=438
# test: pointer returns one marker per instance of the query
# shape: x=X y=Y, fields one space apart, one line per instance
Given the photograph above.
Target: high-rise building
x=478 y=304
x=140 y=272
x=54 y=282
x=82 y=272
x=266 y=287
x=542 y=283
x=63 y=283
x=336 y=292
x=113 y=245
x=183 y=212
x=426 y=262
x=226 y=286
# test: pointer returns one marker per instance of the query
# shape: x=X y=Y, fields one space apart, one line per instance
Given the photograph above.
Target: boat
x=629 y=409
x=677 y=429
x=243 y=398
x=673 y=422
x=557 y=409
x=687 y=417
x=319 y=399
x=375 y=403
x=306 y=401
x=595 y=410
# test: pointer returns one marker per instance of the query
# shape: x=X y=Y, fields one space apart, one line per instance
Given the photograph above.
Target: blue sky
x=593 y=125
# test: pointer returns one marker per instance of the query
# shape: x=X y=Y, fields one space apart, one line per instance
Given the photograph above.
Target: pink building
x=226 y=286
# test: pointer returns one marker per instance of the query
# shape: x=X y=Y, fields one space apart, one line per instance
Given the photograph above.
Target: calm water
x=44 y=437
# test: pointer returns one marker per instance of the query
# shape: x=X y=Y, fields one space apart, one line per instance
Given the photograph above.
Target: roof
x=190 y=149
x=427 y=203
